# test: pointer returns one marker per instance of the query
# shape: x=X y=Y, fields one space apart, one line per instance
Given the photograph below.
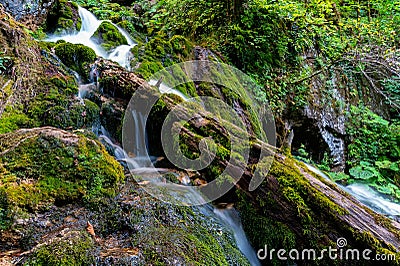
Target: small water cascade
x=85 y=88
x=139 y=133
x=90 y=24
x=176 y=193
x=231 y=218
x=374 y=200
x=366 y=195
x=163 y=88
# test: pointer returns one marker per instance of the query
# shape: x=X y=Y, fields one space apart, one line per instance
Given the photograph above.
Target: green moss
x=57 y=108
x=74 y=248
x=108 y=36
x=63 y=16
x=13 y=118
x=76 y=56
x=41 y=169
x=184 y=235
x=181 y=47
x=147 y=68
x=262 y=230
x=47 y=46
x=162 y=51
x=297 y=189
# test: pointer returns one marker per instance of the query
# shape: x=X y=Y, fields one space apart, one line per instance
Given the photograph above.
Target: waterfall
x=139 y=128
x=90 y=24
x=366 y=195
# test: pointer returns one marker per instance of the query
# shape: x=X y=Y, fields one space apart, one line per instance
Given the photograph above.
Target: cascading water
x=231 y=218
x=178 y=193
x=163 y=88
x=367 y=196
x=90 y=24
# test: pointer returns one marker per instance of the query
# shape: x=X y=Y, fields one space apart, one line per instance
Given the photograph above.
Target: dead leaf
x=90 y=229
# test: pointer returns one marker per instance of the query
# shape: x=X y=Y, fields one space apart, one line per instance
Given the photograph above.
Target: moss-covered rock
x=37 y=81
x=108 y=36
x=132 y=228
x=76 y=56
x=59 y=106
x=14 y=118
x=164 y=233
x=159 y=52
x=43 y=166
x=70 y=249
x=63 y=17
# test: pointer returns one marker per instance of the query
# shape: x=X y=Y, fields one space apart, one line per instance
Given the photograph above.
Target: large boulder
x=45 y=166
x=109 y=36
x=32 y=13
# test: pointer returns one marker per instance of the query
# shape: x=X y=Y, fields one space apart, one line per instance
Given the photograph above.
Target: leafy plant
x=5 y=62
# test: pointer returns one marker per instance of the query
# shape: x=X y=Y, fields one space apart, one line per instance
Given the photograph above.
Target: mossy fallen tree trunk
x=293 y=207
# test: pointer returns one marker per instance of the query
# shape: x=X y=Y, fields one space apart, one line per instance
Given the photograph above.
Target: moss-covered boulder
x=63 y=17
x=68 y=248
x=32 y=78
x=76 y=56
x=161 y=51
x=132 y=228
x=108 y=36
x=44 y=166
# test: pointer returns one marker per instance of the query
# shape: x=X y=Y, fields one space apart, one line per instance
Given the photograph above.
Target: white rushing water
x=163 y=88
x=373 y=199
x=90 y=24
x=231 y=218
x=366 y=195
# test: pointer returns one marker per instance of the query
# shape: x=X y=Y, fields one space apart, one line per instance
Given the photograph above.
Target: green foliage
x=76 y=56
x=109 y=36
x=372 y=138
x=392 y=90
x=161 y=52
x=270 y=39
x=373 y=151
